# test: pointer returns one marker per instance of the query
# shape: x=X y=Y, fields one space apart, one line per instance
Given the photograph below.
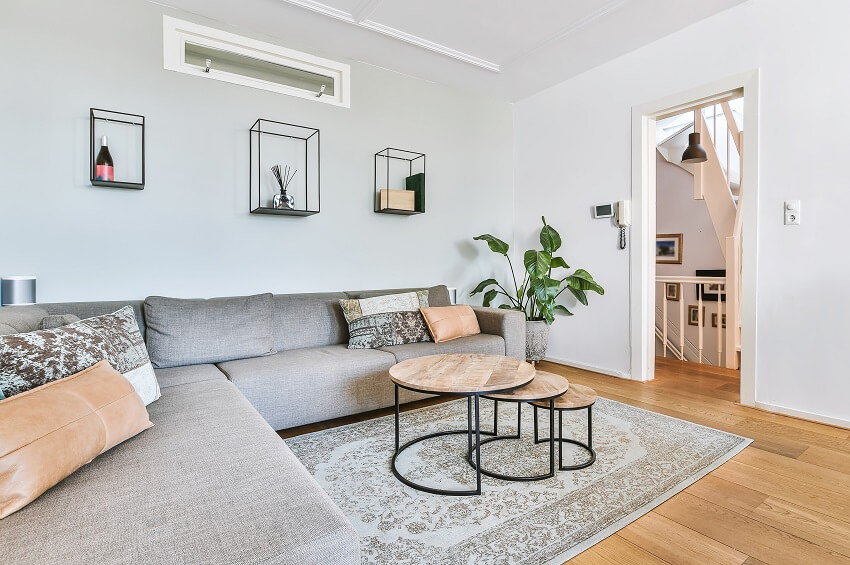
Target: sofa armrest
x=509 y=324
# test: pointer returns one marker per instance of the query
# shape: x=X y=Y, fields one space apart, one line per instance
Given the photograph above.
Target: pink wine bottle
x=104 y=169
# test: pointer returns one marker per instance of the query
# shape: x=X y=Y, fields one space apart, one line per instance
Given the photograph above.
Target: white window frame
x=176 y=33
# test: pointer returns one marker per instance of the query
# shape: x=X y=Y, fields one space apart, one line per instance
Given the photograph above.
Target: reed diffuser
x=284 y=200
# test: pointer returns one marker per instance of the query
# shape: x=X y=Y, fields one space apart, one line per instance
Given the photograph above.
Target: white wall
x=677 y=211
x=573 y=145
x=189 y=232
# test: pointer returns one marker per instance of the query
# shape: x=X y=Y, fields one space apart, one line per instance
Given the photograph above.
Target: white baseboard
x=609 y=372
x=803 y=415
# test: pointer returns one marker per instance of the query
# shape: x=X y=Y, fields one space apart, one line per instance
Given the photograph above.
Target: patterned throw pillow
x=28 y=360
x=392 y=319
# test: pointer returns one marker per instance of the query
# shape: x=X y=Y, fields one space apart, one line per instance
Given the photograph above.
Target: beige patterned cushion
x=380 y=321
x=28 y=360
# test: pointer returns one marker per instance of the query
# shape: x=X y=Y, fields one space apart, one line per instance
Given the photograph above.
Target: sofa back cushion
x=197 y=330
x=309 y=320
x=21 y=319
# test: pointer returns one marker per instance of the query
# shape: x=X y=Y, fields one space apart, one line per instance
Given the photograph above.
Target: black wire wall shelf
x=399 y=167
x=283 y=144
x=128 y=152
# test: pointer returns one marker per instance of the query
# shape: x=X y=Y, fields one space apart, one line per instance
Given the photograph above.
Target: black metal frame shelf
x=311 y=171
x=415 y=160
x=98 y=114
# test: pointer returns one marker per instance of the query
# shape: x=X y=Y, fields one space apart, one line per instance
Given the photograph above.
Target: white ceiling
x=508 y=49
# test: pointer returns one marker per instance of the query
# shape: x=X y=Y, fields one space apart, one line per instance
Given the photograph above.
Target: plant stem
x=513 y=275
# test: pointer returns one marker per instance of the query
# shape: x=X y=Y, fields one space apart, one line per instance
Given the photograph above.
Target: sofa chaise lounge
x=212 y=482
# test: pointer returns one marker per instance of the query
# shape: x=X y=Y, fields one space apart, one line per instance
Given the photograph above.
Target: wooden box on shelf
x=398 y=199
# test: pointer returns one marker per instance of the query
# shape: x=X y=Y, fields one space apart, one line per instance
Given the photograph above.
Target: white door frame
x=642 y=257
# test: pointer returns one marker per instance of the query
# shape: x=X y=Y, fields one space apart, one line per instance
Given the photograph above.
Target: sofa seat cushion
x=480 y=343
x=306 y=385
x=187 y=374
x=209 y=483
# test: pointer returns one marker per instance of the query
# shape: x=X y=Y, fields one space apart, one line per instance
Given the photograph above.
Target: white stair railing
x=681 y=281
x=669 y=345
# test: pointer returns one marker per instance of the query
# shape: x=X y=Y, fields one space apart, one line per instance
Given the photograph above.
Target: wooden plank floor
x=784 y=499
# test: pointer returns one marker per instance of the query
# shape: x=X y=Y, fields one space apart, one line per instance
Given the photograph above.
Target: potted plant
x=537 y=295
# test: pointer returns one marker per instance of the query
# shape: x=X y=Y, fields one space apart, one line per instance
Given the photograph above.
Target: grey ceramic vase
x=536 y=340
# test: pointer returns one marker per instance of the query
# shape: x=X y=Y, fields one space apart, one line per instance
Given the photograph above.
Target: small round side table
x=578 y=397
x=544 y=388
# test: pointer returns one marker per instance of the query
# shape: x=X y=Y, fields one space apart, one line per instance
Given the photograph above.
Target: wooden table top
x=577 y=396
x=544 y=386
x=462 y=373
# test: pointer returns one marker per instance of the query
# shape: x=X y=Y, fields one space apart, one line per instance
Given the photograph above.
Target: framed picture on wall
x=709 y=291
x=671 y=291
x=693 y=315
x=668 y=248
x=714 y=320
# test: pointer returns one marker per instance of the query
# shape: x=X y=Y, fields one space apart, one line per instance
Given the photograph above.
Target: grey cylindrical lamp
x=17 y=290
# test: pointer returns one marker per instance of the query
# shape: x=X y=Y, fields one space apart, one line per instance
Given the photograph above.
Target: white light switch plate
x=792 y=212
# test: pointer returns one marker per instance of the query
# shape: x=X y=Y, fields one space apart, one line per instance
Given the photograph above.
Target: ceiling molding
x=430 y=45
x=369 y=6
x=572 y=28
x=323 y=9
x=365 y=9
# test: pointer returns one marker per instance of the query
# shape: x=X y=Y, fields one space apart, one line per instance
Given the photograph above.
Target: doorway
x=649 y=296
x=698 y=215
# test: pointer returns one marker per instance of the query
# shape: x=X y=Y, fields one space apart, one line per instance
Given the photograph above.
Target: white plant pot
x=536 y=340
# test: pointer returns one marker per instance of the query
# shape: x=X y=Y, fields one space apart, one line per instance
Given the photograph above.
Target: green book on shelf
x=416 y=183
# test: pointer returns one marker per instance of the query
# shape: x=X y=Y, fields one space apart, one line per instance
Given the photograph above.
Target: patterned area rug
x=643 y=458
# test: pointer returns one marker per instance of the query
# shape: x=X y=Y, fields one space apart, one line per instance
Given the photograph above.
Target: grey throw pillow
x=192 y=331
x=54 y=321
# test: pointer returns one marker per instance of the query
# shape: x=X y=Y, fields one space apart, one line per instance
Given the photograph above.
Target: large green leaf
x=550 y=239
x=537 y=263
x=545 y=290
x=482 y=285
x=579 y=294
x=582 y=280
x=496 y=245
x=559 y=262
x=489 y=296
x=563 y=309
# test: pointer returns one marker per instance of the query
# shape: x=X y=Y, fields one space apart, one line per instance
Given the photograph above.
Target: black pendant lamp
x=694 y=153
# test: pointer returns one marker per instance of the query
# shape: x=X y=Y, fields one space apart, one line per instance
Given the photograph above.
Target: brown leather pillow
x=450 y=322
x=49 y=432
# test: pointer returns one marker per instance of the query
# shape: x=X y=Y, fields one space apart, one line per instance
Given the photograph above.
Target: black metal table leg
x=477 y=447
x=588 y=447
x=477 y=463
x=468 y=431
x=396 y=419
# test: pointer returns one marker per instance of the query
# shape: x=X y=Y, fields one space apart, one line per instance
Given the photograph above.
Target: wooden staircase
x=712 y=184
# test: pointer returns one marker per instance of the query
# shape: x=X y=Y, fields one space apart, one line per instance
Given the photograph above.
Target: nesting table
x=469 y=375
x=500 y=379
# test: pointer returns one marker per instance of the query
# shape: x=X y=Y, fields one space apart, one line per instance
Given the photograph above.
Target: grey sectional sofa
x=211 y=482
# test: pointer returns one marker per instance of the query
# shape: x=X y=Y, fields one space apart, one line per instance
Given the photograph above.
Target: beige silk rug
x=643 y=458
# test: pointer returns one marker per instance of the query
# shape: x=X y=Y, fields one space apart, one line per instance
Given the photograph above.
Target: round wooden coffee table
x=470 y=375
x=544 y=389
x=578 y=397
